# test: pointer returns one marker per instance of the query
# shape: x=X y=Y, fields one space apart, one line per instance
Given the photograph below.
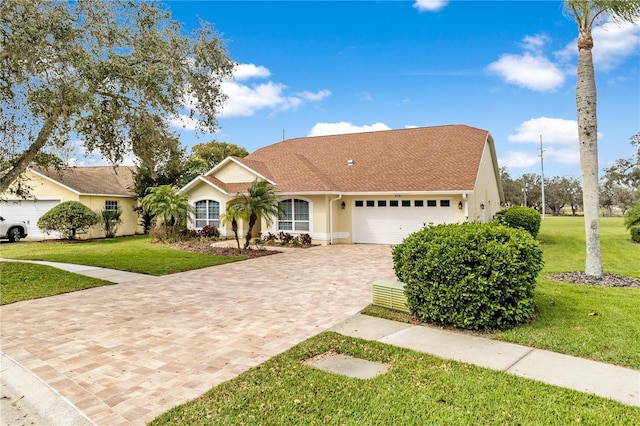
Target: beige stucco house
x=375 y=187
x=99 y=188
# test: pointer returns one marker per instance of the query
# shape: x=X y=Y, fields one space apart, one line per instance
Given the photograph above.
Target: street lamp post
x=524 y=193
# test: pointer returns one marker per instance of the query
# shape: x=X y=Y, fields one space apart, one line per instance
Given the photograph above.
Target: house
x=99 y=188
x=374 y=187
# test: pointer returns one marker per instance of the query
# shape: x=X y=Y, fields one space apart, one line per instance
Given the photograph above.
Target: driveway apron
x=126 y=353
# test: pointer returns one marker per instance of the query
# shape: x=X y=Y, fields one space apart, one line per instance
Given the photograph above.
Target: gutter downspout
x=331 y=218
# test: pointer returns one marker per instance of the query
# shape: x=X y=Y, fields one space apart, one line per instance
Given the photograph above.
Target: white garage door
x=29 y=211
x=390 y=221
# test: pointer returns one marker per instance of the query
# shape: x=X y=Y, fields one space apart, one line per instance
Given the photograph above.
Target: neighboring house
x=99 y=188
x=375 y=187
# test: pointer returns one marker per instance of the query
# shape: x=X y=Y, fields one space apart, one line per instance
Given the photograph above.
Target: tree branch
x=27 y=157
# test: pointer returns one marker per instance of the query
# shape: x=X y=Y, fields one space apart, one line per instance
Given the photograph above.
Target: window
x=382 y=203
x=418 y=203
x=445 y=203
x=207 y=213
x=111 y=205
x=359 y=203
x=371 y=203
x=406 y=203
x=432 y=203
x=295 y=216
x=393 y=203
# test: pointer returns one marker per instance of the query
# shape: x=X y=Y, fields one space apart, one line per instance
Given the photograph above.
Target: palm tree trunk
x=588 y=140
x=234 y=227
x=252 y=221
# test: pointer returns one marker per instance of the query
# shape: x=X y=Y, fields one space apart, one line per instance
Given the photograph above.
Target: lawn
x=418 y=389
x=133 y=254
x=26 y=281
x=600 y=323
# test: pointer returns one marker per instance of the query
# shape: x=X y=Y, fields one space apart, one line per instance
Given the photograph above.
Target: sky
x=316 y=68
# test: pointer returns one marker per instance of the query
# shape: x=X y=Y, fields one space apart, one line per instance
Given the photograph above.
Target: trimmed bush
x=68 y=218
x=632 y=218
x=471 y=275
x=521 y=218
x=635 y=234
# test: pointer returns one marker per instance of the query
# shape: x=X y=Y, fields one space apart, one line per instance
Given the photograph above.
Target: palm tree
x=261 y=200
x=587 y=13
x=231 y=215
x=171 y=206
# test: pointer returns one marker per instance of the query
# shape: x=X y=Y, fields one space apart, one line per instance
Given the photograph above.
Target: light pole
x=524 y=193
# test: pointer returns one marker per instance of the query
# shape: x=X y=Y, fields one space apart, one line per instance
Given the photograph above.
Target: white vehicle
x=12 y=230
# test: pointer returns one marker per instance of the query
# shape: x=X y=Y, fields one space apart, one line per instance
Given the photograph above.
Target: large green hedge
x=68 y=218
x=471 y=275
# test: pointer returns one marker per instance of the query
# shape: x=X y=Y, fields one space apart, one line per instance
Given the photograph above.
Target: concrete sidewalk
x=113 y=275
x=606 y=380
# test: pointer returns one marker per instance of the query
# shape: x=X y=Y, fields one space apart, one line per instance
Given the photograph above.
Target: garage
x=29 y=211
x=389 y=221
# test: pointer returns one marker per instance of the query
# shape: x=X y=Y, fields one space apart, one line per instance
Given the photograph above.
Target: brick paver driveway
x=125 y=353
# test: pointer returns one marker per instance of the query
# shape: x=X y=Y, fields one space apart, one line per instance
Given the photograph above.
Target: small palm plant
x=110 y=221
x=231 y=216
x=261 y=200
x=170 y=205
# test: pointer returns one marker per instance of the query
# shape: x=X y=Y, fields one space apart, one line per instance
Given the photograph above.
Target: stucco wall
x=234 y=173
x=486 y=191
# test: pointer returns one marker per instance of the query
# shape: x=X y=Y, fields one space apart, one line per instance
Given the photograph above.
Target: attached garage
x=29 y=211
x=389 y=221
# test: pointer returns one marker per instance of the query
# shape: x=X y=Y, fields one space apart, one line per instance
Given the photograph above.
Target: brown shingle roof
x=442 y=158
x=100 y=180
x=229 y=188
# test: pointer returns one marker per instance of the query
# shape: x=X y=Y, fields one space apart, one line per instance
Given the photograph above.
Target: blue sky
x=314 y=68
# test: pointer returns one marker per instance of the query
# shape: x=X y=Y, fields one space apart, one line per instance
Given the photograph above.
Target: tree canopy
x=214 y=152
x=112 y=73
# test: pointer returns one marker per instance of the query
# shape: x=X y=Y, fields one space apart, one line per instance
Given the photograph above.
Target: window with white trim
x=295 y=216
x=207 y=213
x=111 y=205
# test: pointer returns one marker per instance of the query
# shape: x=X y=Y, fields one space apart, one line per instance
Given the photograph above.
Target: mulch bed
x=206 y=248
x=608 y=280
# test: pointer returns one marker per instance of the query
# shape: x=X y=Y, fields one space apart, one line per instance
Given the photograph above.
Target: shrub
x=158 y=234
x=110 y=221
x=305 y=239
x=209 y=231
x=285 y=237
x=68 y=218
x=635 y=234
x=632 y=218
x=521 y=218
x=471 y=275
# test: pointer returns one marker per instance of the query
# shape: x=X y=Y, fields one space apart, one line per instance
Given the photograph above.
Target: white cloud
x=518 y=160
x=246 y=71
x=612 y=44
x=343 y=127
x=535 y=43
x=245 y=99
x=553 y=131
x=563 y=156
x=184 y=122
x=530 y=71
x=430 y=5
x=318 y=96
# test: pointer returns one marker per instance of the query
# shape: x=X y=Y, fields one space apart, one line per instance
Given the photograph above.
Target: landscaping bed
x=206 y=247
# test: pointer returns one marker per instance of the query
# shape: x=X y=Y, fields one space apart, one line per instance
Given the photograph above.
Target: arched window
x=295 y=215
x=207 y=213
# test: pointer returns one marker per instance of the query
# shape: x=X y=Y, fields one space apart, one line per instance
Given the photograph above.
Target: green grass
x=133 y=254
x=418 y=389
x=26 y=281
x=600 y=323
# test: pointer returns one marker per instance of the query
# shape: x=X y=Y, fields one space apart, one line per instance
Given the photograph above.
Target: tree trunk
x=252 y=221
x=234 y=227
x=25 y=159
x=588 y=140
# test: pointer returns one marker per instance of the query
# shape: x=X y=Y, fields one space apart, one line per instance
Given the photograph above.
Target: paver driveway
x=123 y=354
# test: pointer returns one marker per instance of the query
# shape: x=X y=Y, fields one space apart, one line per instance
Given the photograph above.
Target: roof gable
x=442 y=158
